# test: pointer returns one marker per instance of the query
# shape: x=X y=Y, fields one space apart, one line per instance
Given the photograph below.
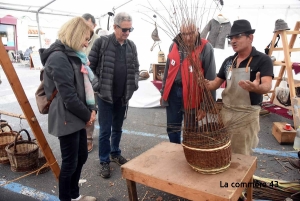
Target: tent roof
x=98 y=8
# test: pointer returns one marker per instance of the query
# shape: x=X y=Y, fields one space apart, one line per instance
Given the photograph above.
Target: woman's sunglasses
x=126 y=29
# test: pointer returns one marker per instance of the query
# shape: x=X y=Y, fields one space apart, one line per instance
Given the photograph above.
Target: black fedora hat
x=241 y=26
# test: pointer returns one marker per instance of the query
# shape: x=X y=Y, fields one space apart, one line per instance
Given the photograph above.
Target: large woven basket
x=5 y=139
x=208 y=161
x=23 y=155
x=42 y=161
x=207 y=151
x=4 y=127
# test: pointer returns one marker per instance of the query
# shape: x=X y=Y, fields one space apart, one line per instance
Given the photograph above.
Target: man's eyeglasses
x=237 y=36
x=126 y=29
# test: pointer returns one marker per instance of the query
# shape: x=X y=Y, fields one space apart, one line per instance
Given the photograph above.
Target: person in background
x=173 y=86
x=72 y=108
x=92 y=23
x=115 y=64
x=248 y=74
x=27 y=53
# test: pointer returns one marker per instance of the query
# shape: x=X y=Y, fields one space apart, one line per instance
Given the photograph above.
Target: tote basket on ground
x=23 y=155
x=42 y=161
x=5 y=139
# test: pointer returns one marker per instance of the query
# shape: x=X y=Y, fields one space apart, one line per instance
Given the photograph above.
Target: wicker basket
x=4 y=127
x=23 y=155
x=42 y=161
x=208 y=161
x=207 y=150
x=5 y=139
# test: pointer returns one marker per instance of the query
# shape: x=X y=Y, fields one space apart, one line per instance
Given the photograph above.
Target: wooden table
x=165 y=168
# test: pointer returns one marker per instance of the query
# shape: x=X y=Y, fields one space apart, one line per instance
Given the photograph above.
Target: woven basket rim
x=11 y=145
x=207 y=150
x=7 y=135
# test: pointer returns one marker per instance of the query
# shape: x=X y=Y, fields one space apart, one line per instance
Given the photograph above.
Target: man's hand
x=200 y=115
x=251 y=86
x=207 y=84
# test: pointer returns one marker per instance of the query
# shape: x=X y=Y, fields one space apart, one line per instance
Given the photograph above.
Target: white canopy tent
x=261 y=13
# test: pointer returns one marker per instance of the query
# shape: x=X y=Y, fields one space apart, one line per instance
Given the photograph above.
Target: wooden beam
x=21 y=116
x=15 y=83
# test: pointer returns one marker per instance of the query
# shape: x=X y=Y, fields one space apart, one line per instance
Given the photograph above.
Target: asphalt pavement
x=142 y=130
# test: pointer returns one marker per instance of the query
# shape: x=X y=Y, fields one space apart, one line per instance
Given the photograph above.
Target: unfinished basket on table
x=5 y=139
x=23 y=155
x=207 y=151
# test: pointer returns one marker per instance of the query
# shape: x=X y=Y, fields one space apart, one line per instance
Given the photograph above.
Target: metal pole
x=33 y=11
x=37 y=19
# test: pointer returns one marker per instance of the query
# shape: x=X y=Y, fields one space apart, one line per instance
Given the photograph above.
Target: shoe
x=295 y=163
x=84 y=198
x=118 y=159
x=90 y=145
x=263 y=112
x=105 y=170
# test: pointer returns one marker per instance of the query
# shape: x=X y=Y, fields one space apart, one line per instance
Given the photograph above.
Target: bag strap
x=55 y=91
x=276 y=43
x=51 y=98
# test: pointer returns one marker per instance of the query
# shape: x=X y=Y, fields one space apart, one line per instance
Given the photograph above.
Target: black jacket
x=102 y=62
x=68 y=111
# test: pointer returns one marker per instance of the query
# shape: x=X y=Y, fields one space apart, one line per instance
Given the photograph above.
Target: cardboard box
x=283 y=136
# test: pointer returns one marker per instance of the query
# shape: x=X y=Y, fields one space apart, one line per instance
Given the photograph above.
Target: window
x=7 y=33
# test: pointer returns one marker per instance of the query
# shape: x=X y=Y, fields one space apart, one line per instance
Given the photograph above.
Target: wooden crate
x=281 y=135
x=158 y=69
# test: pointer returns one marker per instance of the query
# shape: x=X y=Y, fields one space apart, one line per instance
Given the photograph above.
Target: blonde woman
x=70 y=110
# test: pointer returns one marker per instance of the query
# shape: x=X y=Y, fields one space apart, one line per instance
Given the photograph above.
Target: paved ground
x=143 y=129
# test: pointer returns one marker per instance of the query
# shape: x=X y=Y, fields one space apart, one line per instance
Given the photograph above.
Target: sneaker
x=105 y=170
x=118 y=159
x=84 y=198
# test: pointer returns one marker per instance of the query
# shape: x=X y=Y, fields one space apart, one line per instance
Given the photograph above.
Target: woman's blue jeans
x=74 y=154
x=110 y=117
x=175 y=114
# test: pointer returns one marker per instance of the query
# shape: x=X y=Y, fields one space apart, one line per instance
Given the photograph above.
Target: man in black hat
x=248 y=75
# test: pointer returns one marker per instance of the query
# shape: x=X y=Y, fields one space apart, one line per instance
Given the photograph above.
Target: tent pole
x=38 y=21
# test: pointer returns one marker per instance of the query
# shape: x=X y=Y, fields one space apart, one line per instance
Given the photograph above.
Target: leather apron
x=238 y=115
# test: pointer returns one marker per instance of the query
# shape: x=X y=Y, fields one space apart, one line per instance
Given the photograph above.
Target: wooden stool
x=165 y=168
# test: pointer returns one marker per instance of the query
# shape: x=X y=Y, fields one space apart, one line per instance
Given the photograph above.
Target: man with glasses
x=248 y=75
x=114 y=62
x=187 y=42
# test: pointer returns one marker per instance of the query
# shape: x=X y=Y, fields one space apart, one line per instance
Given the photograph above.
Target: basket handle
x=5 y=126
x=16 y=138
x=29 y=138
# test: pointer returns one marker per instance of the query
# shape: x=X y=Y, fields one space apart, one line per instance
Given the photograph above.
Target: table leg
x=131 y=186
x=250 y=190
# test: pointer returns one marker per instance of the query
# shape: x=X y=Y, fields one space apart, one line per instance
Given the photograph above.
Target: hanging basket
x=5 y=139
x=4 y=127
x=23 y=155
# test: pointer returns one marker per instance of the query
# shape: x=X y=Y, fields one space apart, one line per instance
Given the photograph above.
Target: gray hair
x=120 y=17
